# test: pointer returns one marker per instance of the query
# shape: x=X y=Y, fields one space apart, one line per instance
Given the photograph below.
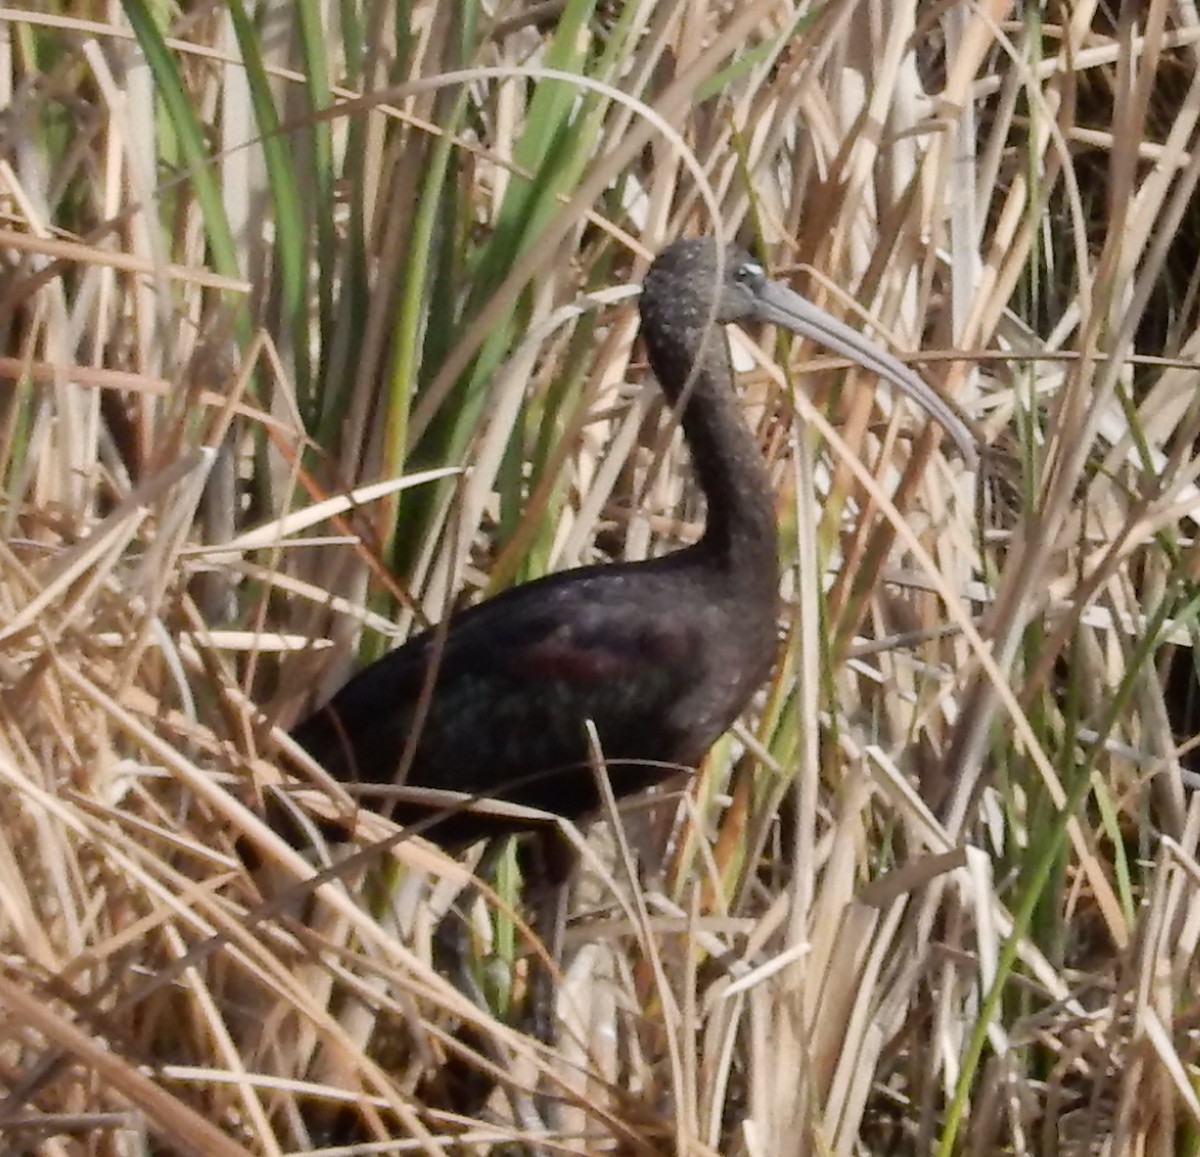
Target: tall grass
x=318 y=321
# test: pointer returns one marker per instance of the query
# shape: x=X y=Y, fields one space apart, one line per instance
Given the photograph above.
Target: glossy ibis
x=660 y=655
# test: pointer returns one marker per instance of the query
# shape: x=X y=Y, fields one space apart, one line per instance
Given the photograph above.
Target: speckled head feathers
x=680 y=285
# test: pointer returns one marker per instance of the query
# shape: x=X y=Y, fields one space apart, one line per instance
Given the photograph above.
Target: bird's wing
x=607 y=645
x=591 y=648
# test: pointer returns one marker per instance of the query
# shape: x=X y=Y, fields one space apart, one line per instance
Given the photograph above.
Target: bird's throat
x=740 y=528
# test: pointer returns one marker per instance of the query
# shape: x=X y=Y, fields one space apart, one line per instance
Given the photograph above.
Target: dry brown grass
x=973 y=932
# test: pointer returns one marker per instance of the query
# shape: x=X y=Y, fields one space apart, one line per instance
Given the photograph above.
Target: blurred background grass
x=935 y=894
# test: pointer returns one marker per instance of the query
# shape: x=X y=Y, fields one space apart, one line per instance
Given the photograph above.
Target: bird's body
x=516 y=677
x=660 y=656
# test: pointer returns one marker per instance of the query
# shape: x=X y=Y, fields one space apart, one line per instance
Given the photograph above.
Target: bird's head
x=696 y=281
x=696 y=284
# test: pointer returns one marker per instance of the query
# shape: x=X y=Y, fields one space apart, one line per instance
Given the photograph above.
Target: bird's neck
x=740 y=531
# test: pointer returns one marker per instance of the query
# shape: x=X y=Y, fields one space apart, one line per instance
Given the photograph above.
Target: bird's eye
x=749 y=272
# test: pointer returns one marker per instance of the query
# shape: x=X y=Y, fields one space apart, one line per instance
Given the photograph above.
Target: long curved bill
x=782 y=306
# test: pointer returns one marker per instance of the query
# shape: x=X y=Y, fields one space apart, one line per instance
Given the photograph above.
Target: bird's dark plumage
x=661 y=656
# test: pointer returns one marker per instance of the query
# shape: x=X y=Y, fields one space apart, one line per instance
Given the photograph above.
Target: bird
x=660 y=656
